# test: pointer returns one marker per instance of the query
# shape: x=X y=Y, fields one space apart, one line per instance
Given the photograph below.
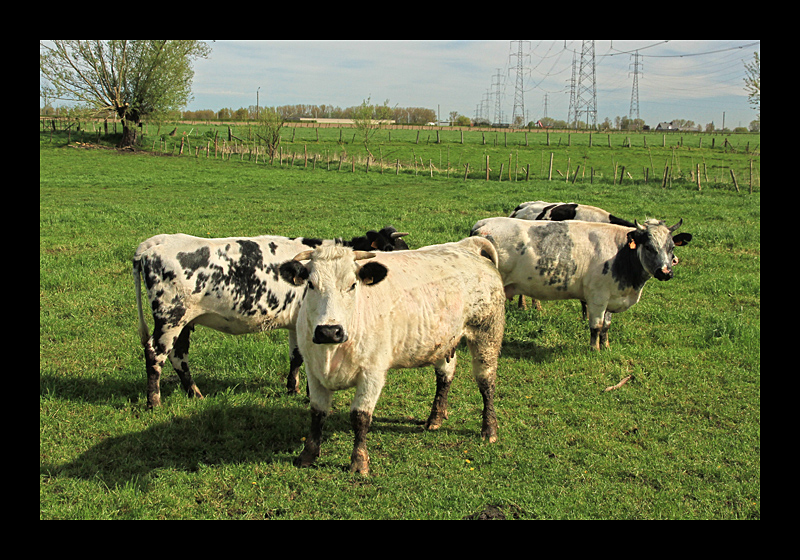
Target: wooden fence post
x=735 y=183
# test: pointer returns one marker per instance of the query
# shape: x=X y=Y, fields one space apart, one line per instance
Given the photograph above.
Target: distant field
x=680 y=441
x=603 y=157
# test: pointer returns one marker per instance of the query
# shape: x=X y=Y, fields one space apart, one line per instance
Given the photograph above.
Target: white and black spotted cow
x=604 y=265
x=560 y=211
x=228 y=284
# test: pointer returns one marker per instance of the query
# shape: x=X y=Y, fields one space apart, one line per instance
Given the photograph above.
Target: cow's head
x=654 y=244
x=387 y=239
x=333 y=278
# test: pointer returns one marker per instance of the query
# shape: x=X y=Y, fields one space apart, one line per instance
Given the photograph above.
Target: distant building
x=336 y=121
x=668 y=127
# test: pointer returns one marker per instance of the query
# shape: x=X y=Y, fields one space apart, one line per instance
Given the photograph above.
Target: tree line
x=406 y=115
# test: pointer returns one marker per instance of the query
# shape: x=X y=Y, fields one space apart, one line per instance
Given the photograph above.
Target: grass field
x=680 y=441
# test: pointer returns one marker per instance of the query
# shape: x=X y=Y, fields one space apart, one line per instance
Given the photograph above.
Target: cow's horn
x=360 y=255
x=397 y=234
x=676 y=226
x=638 y=225
x=304 y=256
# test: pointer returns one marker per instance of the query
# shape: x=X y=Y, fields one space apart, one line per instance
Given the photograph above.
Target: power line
x=703 y=53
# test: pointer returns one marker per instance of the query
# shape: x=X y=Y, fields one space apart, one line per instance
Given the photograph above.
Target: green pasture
x=680 y=440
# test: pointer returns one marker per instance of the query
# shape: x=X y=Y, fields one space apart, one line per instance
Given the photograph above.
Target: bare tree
x=270 y=123
x=368 y=119
x=133 y=79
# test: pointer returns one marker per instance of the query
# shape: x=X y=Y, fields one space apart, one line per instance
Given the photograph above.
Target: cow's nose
x=329 y=334
x=664 y=274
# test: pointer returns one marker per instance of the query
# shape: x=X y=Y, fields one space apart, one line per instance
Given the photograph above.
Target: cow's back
x=231 y=284
x=429 y=300
x=552 y=260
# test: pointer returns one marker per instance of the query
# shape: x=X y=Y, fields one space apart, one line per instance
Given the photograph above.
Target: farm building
x=336 y=121
x=668 y=126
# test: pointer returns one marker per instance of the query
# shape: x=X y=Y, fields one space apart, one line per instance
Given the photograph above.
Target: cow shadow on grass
x=130 y=386
x=218 y=434
x=530 y=351
x=215 y=435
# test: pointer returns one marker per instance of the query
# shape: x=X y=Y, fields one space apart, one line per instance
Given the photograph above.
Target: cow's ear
x=682 y=239
x=293 y=272
x=631 y=239
x=372 y=273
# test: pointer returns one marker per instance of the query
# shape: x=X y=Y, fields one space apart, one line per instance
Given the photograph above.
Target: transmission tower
x=486 y=104
x=519 y=92
x=634 y=111
x=498 y=84
x=586 y=101
x=572 y=117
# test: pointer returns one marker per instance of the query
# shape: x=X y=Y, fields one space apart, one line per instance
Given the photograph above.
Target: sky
x=692 y=80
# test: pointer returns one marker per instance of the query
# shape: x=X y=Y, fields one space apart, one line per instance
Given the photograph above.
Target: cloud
x=456 y=75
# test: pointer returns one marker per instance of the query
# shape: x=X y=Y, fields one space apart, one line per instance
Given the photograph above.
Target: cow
x=404 y=309
x=560 y=211
x=603 y=265
x=228 y=284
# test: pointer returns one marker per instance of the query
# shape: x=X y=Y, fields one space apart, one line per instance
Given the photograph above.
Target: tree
x=133 y=79
x=270 y=123
x=752 y=82
x=366 y=124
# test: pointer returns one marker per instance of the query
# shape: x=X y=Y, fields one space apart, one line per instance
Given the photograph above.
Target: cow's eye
x=351 y=288
x=310 y=285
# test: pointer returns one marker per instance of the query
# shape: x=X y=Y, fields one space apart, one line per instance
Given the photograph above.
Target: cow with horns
x=366 y=313
x=604 y=265
x=227 y=284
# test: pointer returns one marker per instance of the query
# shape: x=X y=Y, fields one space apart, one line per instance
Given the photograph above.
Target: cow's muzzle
x=329 y=334
x=664 y=274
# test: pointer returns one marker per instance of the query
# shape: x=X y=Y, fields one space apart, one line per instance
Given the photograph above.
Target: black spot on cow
x=543 y=214
x=271 y=300
x=564 y=212
x=612 y=219
x=241 y=279
x=272 y=247
x=193 y=261
x=311 y=241
x=554 y=247
x=627 y=269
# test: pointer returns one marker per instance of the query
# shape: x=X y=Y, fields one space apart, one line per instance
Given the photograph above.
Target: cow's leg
x=295 y=361
x=597 y=313
x=156 y=350
x=485 y=351
x=178 y=357
x=360 y=420
x=320 y=407
x=367 y=392
x=445 y=371
x=603 y=341
x=154 y=361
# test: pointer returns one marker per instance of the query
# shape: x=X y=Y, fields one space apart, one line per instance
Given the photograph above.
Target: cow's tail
x=482 y=247
x=144 y=333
